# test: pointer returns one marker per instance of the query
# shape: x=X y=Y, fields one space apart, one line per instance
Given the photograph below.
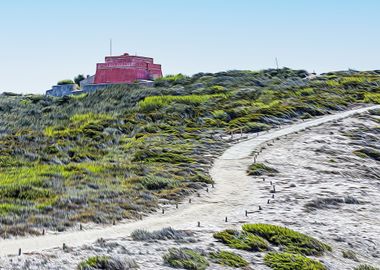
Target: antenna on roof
x=110 y=46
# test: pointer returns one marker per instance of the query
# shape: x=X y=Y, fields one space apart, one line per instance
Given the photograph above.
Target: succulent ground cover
x=242 y=240
x=295 y=245
x=106 y=263
x=288 y=261
x=228 y=258
x=293 y=241
x=120 y=152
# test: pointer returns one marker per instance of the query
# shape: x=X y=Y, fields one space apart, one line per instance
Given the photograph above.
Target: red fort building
x=126 y=69
x=123 y=69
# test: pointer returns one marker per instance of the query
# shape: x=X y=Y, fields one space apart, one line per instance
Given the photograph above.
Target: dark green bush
x=64 y=82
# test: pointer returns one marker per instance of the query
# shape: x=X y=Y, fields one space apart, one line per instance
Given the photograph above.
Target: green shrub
x=242 y=240
x=228 y=258
x=64 y=82
x=185 y=258
x=372 y=98
x=156 y=183
x=260 y=169
x=305 y=92
x=6 y=208
x=375 y=112
x=96 y=262
x=156 y=102
x=220 y=114
x=287 y=261
x=79 y=78
x=292 y=240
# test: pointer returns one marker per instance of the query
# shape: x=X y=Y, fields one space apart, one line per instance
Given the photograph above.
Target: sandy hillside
x=322 y=189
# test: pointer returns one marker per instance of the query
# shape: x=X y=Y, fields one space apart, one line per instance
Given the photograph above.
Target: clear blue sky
x=45 y=41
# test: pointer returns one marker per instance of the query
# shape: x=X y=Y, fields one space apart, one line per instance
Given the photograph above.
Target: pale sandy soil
x=313 y=163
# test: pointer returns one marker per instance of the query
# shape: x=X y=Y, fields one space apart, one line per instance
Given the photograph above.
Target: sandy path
x=230 y=198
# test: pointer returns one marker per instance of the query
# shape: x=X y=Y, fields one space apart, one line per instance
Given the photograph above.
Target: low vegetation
x=258 y=169
x=120 y=152
x=163 y=234
x=64 y=82
x=227 y=258
x=368 y=153
x=365 y=267
x=292 y=241
x=349 y=254
x=326 y=203
x=107 y=263
x=242 y=240
x=288 y=261
x=186 y=259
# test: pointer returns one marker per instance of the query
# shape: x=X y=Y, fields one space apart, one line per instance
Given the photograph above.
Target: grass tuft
x=106 y=263
x=163 y=234
x=185 y=258
x=258 y=169
x=349 y=254
x=368 y=153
